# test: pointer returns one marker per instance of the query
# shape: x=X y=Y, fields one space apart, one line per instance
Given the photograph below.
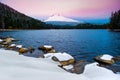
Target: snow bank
x=106 y=57
x=59 y=56
x=93 y=72
x=19 y=67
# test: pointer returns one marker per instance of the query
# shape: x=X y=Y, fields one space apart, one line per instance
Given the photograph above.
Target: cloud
x=77 y=8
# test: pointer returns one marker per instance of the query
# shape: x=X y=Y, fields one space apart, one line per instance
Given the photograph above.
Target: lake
x=82 y=44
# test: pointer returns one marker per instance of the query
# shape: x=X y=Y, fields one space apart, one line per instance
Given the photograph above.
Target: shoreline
x=46 y=29
x=113 y=30
x=9 y=46
x=15 y=67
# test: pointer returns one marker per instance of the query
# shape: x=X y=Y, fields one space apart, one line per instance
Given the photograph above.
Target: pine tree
x=115 y=20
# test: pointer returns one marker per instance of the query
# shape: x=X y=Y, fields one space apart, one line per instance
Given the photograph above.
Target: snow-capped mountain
x=60 y=20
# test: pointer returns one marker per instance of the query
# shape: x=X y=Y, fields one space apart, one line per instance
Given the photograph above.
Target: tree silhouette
x=115 y=20
x=12 y=19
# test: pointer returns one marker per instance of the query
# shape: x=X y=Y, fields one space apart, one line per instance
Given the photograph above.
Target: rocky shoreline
x=65 y=60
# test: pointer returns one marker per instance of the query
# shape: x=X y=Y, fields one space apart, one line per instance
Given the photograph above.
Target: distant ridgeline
x=12 y=19
x=115 y=20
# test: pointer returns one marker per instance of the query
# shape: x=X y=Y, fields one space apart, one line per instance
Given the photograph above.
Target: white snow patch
x=19 y=46
x=106 y=57
x=47 y=46
x=12 y=38
x=1 y=40
x=68 y=67
x=49 y=55
x=13 y=45
x=19 y=67
x=59 y=56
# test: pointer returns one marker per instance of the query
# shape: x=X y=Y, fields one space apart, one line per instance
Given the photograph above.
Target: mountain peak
x=55 y=15
x=58 y=17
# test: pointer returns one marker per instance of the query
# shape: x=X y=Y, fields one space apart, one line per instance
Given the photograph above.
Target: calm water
x=82 y=44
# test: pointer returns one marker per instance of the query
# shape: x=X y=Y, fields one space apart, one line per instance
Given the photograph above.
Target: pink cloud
x=77 y=8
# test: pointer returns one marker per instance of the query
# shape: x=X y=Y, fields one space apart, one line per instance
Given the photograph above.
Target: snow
x=18 y=67
x=68 y=67
x=19 y=46
x=1 y=40
x=60 y=56
x=47 y=46
x=49 y=55
x=12 y=38
x=60 y=18
x=93 y=72
x=106 y=57
x=13 y=45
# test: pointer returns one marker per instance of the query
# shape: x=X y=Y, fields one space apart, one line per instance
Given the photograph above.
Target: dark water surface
x=82 y=44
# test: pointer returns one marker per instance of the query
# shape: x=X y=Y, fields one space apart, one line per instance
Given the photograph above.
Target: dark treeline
x=12 y=19
x=115 y=20
x=79 y=26
x=91 y=26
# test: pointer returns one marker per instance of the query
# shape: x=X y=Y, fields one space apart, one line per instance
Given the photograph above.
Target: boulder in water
x=67 y=62
x=12 y=46
x=18 y=46
x=47 y=49
x=23 y=50
x=104 y=59
x=7 y=41
x=51 y=51
x=63 y=58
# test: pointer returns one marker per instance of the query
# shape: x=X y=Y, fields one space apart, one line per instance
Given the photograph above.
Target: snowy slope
x=60 y=20
x=19 y=67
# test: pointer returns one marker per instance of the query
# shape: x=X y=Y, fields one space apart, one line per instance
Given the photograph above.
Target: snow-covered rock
x=68 y=67
x=19 y=67
x=13 y=39
x=47 y=46
x=47 y=49
x=18 y=46
x=1 y=40
x=13 y=45
x=60 y=56
x=106 y=57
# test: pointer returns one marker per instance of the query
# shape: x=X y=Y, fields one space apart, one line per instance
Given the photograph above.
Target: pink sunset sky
x=78 y=9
